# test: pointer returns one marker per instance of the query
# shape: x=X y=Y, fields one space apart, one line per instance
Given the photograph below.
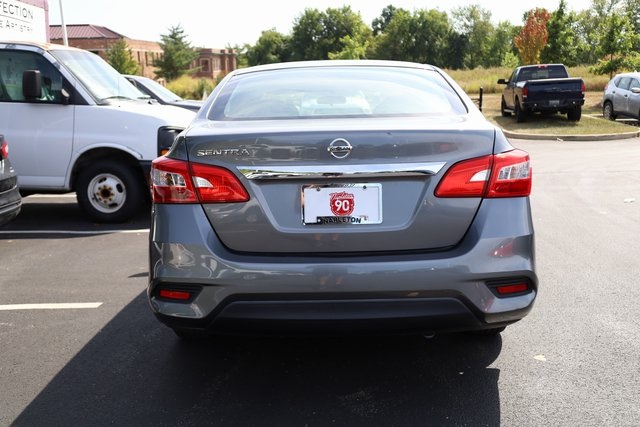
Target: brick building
x=97 y=39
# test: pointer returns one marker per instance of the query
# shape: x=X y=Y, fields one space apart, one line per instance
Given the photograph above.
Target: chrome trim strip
x=342 y=171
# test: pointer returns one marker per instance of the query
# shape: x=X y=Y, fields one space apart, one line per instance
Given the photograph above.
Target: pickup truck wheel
x=607 y=111
x=574 y=115
x=109 y=191
x=520 y=115
x=503 y=108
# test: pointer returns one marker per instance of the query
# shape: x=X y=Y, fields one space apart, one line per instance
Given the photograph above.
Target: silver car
x=621 y=97
x=341 y=197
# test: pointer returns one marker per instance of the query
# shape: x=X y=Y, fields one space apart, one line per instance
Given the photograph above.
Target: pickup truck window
x=101 y=80
x=13 y=64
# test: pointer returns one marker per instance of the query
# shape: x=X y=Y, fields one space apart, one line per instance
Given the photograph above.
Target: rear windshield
x=336 y=92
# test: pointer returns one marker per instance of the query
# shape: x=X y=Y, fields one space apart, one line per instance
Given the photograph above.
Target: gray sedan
x=341 y=197
x=10 y=198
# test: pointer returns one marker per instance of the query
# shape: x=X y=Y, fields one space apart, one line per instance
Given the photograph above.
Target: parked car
x=621 y=97
x=542 y=88
x=341 y=196
x=161 y=94
x=10 y=198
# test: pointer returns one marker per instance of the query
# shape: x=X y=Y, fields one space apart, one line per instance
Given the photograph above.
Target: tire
x=608 y=112
x=520 y=114
x=574 y=114
x=503 y=108
x=109 y=191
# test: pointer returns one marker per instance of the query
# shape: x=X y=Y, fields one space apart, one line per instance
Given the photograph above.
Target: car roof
x=334 y=63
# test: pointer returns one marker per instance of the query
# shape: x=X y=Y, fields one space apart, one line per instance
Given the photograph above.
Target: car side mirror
x=635 y=89
x=502 y=82
x=31 y=84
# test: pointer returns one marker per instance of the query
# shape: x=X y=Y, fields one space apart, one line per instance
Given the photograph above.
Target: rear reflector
x=177 y=181
x=4 y=150
x=505 y=290
x=174 y=295
x=501 y=175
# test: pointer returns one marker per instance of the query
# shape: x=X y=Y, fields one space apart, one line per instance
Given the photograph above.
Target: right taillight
x=177 y=181
x=501 y=175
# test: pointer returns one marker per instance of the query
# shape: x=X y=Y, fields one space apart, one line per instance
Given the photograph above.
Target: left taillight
x=501 y=175
x=4 y=149
x=178 y=181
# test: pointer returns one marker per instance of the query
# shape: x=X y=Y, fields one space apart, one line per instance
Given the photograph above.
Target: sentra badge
x=219 y=152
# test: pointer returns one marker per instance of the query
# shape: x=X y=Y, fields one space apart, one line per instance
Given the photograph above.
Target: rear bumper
x=550 y=105
x=399 y=293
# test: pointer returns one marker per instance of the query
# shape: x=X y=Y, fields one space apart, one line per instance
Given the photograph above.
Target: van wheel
x=109 y=191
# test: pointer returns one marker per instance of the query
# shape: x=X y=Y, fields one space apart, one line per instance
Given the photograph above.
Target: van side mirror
x=31 y=84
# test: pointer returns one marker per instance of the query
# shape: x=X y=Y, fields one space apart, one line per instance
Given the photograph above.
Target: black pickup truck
x=542 y=88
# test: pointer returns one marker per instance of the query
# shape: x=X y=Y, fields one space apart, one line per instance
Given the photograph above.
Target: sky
x=229 y=23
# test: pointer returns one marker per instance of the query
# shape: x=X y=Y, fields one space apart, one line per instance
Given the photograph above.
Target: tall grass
x=472 y=80
x=191 y=88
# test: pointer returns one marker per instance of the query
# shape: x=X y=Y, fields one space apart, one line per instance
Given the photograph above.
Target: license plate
x=354 y=204
x=554 y=103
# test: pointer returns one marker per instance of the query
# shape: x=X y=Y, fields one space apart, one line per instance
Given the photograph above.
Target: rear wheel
x=607 y=111
x=503 y=107
x=109 y=191
x=574 y=114
x=520 y=114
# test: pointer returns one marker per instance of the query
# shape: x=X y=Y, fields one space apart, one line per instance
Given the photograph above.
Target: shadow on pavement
x=136 y=372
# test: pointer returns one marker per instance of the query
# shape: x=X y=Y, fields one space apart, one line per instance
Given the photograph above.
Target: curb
x=596 y=137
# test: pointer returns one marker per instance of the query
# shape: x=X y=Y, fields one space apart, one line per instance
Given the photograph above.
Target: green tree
x=475 y=24
x=316 y=34
x=422 y=36
x=271 y=47
x=380 y=23
x=501 y=47
x=177 y=54
x=616 y=39
x=561 y=43
x=121 y=58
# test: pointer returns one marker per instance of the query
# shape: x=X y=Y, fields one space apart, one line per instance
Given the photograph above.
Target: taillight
x=501 y=175
x=583 y=88
x=525 y=92
x=177 y=181
x=4 y=150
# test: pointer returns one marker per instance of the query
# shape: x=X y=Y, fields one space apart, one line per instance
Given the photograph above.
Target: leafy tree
x=271 y=47
x=561 y=44
x=501 y=46
x=315 y=34
x=121 y=58
x=616 y=37
x=422 y=37
x=380 y=23
x=177 y=54
x=475 y=24
x=533 y=36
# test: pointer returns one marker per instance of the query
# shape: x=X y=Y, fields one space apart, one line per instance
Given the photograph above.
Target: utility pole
x=65 y=39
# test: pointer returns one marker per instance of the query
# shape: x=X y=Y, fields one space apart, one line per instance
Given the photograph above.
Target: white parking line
x=61 y=306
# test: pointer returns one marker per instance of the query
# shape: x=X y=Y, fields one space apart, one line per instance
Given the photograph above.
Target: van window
x=14 y=63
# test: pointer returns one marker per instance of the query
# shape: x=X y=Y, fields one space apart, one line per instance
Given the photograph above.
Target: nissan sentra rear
x=341 y=197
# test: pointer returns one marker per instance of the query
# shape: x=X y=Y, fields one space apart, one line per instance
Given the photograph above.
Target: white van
x=76 y=124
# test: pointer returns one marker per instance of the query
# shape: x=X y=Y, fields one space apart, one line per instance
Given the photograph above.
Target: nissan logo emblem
x=340 y=148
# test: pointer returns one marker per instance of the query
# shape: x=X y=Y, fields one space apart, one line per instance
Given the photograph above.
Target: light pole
x=65 y=39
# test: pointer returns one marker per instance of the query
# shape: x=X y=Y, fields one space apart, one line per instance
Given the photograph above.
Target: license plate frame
x=317 y=203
